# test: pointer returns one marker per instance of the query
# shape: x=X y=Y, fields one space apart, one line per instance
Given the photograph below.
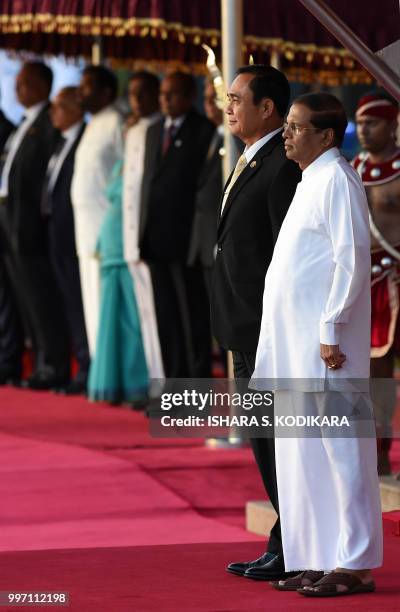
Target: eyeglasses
x=296 y=129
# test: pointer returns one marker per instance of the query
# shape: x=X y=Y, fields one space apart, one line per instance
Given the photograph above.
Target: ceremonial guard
x=379 y=167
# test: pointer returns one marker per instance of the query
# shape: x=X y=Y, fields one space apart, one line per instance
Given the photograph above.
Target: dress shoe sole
x=235 y=572
x=272 y=577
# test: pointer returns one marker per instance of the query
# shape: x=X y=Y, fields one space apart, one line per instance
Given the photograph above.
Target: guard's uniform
x=385 y=280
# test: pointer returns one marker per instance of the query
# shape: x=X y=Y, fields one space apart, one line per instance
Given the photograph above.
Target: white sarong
x=328 y=488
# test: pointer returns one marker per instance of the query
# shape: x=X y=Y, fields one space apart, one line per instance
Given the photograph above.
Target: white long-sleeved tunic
x=317 y=288
x=135 y=146
x=100 y=147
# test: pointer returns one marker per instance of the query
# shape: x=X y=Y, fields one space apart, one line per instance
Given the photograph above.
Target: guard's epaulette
x=377 y=174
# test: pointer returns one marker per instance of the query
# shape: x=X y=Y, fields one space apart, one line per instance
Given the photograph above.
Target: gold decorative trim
x=327 y=65
x=9 y=24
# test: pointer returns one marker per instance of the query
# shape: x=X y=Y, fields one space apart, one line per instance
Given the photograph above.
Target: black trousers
x=264 y=453
x=11 y=330
x=66 y=272
x=183 y=318
x=41 y=311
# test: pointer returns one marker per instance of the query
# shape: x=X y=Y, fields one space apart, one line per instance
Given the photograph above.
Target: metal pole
x=375 y=66
x=232 y=58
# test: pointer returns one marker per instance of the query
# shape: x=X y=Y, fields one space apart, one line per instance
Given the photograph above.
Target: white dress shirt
x=317 y=287
x=177 y=122
x=100 y=147
x=31 y=115
x=250 y=152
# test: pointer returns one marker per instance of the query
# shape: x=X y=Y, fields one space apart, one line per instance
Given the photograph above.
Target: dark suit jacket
x=6 y=127
x=169 y=188
x=247 y=232
x=204 y=231
x=62 y=229
x=26 y=227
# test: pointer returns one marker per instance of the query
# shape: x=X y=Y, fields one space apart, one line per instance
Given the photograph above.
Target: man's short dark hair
x=104 y=79
x=186 y=81
x=150 y=80
x=42 y=72
x=268 y=82
x=326 y=112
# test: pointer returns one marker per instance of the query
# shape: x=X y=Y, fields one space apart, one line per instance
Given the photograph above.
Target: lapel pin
x=178 y=143
x=253 y=164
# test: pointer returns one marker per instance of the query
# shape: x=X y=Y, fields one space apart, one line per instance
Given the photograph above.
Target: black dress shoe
x=272 y=570
x=140 y=404
x=240 y=568
x=40 y=382
x=75 y=387
x=7 y=377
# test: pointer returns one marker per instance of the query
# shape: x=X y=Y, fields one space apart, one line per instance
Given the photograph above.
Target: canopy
x=159 y=31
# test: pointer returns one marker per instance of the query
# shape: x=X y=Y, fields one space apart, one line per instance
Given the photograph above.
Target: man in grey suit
x=209 y=190
x=66 y=116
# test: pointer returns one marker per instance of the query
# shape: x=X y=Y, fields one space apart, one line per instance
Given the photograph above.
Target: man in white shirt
x=66 y=116
x=25 y=229
x=143 y=91
x=313 y=351
x=99 y=149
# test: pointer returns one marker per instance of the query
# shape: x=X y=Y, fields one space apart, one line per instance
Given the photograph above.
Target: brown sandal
x=327 y=586
x=292 y=584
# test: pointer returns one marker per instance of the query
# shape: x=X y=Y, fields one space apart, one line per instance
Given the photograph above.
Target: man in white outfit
x=143 y=92
x=313 y=351
x=100 y=147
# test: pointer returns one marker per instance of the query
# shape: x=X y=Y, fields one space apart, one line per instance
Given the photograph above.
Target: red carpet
x=175 y=578
x=92 y=505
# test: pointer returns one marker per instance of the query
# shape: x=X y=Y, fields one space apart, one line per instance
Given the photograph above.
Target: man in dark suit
x=176 y=149
x=67 y=117
x=11 y=334
x=25 y=230
x=256 y=198
x=209 y=190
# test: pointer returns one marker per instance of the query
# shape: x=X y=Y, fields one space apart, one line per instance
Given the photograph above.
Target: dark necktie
x=45 y=204
x=169 y=134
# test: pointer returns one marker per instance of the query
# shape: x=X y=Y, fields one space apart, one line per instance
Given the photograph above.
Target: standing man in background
x=11 y=333
x=24 y=229
x=209 y=190
x=66 y=116
x=379 y=168
x=176 y=150
x=143 y=91
x=255 y=201
x=100 y=147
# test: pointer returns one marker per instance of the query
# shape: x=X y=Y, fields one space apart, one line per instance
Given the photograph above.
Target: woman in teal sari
x=118 y=372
